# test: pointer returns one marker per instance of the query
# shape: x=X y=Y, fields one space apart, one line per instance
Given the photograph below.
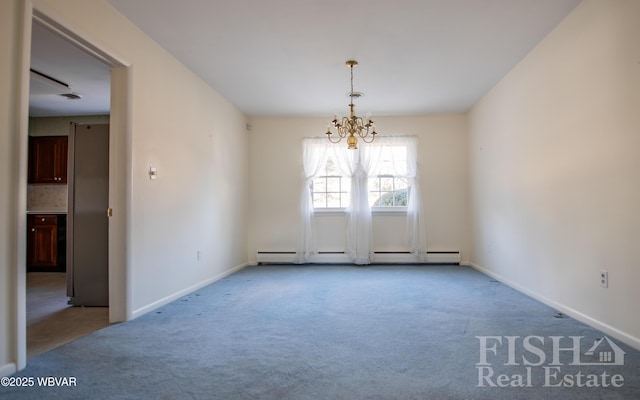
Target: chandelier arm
x=329 y=136
x=372 y=136
x=359 y=125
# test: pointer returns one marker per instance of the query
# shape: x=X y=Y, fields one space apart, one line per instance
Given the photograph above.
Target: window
x=330 y=189
x=383 y=173
x=389 y=185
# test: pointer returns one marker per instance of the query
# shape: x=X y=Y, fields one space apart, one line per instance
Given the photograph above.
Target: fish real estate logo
x=552 y=361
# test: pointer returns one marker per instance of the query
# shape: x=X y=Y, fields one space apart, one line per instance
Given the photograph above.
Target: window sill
x=330 y=211
x=389 y=210
x=374 y=211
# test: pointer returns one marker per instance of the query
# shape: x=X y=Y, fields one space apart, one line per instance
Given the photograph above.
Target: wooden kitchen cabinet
x=42 y=240
x=48 y=159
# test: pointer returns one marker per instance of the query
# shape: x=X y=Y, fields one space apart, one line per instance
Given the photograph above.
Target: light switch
x=153 y=173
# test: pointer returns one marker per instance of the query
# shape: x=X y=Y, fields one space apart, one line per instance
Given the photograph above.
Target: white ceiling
x=286 y=57
x=83 y=74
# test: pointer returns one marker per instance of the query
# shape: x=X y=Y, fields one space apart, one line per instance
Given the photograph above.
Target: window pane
x=386 y=184
x=374 y=184
x=385 y=200
x=396 y=198
x=319 y=185
x=333 y=184
x=401 y=183
x=333 y=200
x=400 y=198
x=319 y=200
x=388 y=191
x=373 y=199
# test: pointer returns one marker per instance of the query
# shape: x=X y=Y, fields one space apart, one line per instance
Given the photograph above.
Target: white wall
x=554 y=157
x=193 y=136
x=276 y=171
x=197 y=141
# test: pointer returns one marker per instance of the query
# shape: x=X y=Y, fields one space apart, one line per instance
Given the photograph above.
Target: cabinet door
x=60 y=161
x=48 y=159
x=42 y=243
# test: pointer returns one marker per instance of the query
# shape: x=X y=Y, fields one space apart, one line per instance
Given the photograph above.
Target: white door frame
x=120 y=165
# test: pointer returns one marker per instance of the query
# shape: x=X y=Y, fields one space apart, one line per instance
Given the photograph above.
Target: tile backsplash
x=47 y=198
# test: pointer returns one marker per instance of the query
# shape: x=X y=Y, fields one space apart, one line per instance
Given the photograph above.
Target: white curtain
x=360 y=165
x=416 y=235
x=315 y=152
x=404 y=165
x=360 y=227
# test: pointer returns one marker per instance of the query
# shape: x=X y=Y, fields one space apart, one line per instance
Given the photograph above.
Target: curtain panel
x=315 y=152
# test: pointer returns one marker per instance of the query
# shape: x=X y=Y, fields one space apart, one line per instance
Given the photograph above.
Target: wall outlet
x=604 y=279
x=198 y=255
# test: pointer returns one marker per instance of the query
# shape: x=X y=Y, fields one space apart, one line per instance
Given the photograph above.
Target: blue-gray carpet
x=341 y=332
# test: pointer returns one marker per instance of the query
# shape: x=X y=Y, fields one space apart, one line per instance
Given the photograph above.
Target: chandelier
x=352 y=127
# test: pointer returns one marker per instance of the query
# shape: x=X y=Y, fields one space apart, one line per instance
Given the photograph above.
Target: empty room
x=319 y=199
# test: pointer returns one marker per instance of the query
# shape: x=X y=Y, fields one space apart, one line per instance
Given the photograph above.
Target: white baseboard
x=184 y=292
x=584 y=318
x=8 y=369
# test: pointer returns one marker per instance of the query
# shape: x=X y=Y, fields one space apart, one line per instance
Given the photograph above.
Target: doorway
x=120 y=161
x=68 y=85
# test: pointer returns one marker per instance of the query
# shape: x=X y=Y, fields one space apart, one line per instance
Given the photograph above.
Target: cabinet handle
x=33 y=229
x=42 y=219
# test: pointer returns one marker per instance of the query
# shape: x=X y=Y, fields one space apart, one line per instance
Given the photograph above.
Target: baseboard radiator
x=385 y=257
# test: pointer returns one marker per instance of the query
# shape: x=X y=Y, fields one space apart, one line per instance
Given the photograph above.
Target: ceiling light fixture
x=71 y=96
x=352 y=126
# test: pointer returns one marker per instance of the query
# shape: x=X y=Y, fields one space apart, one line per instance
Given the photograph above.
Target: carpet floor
x=341 y=332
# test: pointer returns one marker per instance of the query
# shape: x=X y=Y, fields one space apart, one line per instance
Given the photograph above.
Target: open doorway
x=68 y=85
x=120 y=161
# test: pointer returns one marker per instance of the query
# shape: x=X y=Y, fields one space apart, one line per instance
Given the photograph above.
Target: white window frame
x=345 y=188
